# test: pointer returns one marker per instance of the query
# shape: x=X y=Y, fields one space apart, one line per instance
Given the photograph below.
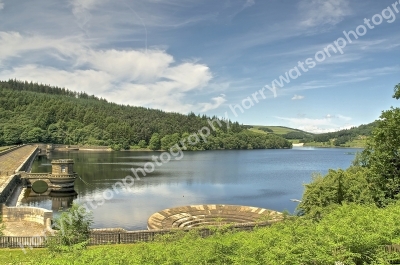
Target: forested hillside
x=343 y=136
x=340 y=138
x=31 y=112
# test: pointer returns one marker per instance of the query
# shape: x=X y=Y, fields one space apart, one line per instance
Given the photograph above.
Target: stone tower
x=63 y=168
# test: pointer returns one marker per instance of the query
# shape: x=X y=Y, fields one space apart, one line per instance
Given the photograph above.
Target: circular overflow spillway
x=206 y=215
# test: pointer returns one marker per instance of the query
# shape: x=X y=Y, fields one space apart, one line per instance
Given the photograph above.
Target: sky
x=316 y=65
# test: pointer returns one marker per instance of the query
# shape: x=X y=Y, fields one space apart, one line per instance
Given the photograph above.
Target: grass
x=350 y=234
x=138 y=148
x=319 y=144
x=256 y=130
x=276 y=129
x=357 y=143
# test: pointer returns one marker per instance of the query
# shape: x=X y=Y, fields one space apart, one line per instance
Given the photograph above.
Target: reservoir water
x=262 y=178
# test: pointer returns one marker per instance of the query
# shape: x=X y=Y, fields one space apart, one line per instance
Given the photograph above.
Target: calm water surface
x=262 y=178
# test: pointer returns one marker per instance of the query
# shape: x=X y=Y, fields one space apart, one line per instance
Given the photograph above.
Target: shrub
x=73 y=230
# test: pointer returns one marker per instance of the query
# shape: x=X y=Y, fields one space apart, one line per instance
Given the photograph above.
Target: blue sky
x=209 y=56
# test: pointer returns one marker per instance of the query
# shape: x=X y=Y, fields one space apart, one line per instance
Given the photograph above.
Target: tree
x=396 y=92
x=11 y=134
x=30 y=112
x=382 y=155
x=32 y=136
x=73 y=229
x=374 y=176
x=334 y=189
x=155 y=142
x=142 y=144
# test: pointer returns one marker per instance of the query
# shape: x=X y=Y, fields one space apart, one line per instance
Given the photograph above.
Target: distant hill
x=280 y=130
x=353 y=137
x=32 y=112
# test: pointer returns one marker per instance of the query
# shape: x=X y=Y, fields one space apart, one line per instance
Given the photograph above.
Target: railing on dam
x=106 y=236
x=10 y=149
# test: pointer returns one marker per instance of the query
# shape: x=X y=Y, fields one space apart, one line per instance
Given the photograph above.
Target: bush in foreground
x=351 y=234
x=73 y=230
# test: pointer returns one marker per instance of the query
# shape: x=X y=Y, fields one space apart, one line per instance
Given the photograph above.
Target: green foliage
x=296 y=135
x=351 y=234
x=73 y=230
x=169 y=141
x=116 y=147
x=396 y=92
x=155 y=142
x=31 y=113
x=342 y=137
x=373 y=178
x=341 y=140
x=382 y=155
x=334 y=189
x=142 y=144
x=266 y=129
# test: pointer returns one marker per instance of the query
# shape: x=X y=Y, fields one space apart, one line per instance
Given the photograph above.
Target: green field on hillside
x=276 y=129
x=356 y=143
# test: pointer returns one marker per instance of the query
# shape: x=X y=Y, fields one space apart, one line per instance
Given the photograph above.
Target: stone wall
x=29 y=214
x=210 y=214
x=57 y=168
x=26 y=165
x=8 y=187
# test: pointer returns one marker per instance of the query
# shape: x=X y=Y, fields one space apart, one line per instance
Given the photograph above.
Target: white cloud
x=321 y=12
x=249 y=3
x=81 y=10
x=1 y=5
x=329 y=123
x=13 y=44
x=343 y=117
x=148 y=78
x=129 y=65
x=91 y=81
x=216 y=102
x=297 y=97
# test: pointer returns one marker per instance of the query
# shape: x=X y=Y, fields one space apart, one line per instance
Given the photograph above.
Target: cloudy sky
x=214 y=57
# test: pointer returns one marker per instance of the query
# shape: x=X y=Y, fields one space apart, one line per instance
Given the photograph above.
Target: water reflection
x=55 y=200
x=261 y=178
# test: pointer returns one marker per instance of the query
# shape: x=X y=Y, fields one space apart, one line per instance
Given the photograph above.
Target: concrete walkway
x=8 y=164
x=23 y=229
x=11 y=161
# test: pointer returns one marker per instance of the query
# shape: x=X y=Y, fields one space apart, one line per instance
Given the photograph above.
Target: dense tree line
x=32 y=112
x=242 y=140
x=265 y=129
x=343 y=136
x=298 y=135
x=374 y=177
x=339 y=138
